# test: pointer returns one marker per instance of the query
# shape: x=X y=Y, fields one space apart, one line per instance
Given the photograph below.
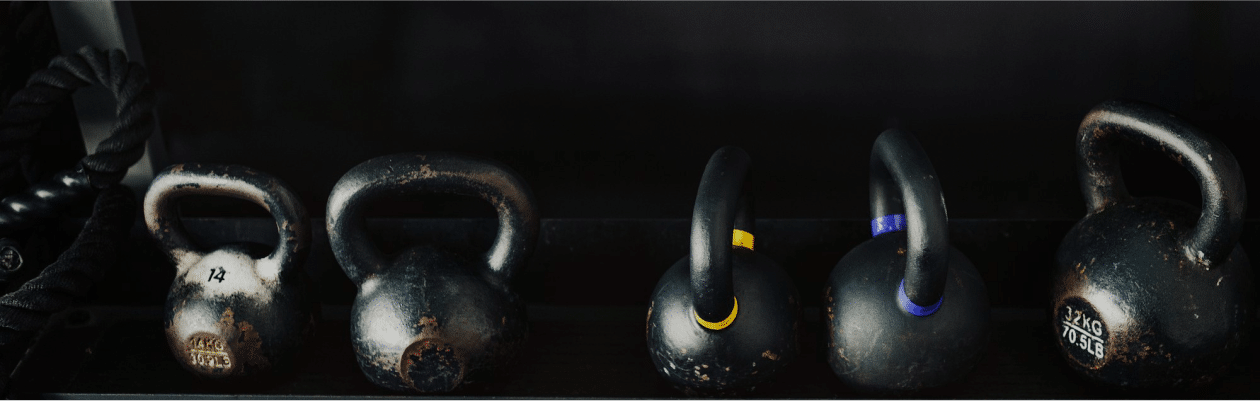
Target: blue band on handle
x=914 y=309
x=887 y=224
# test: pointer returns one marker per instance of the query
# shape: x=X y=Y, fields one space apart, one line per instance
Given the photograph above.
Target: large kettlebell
x=1152 y=292
x=232 y=312
x=428 y=320
x=904 y=310
x=724 y=319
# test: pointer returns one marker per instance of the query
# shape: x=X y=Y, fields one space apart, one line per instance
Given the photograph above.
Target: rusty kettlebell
x=232 y=312
x=904 y=311
x=724 y=319
x=428 y=320
x=1152 y=292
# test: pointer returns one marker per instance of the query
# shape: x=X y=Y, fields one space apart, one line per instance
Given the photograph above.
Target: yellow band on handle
x=742 y=238
x=722 y=324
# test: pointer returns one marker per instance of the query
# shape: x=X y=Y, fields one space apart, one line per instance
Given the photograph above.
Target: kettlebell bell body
x=429 y=320
x=724 y=319
x=231 y=313
x=1152 y=292
x=904 y=310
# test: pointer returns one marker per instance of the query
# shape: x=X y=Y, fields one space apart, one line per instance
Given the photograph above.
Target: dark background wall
x=610 y=110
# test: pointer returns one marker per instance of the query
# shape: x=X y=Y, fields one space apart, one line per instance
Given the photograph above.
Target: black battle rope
x=31 y=105
x=25 y=311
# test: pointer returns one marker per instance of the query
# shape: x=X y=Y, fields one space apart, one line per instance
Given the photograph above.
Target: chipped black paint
x=1172 y=291
x=874 y=345
x=429 y=320
x=238 y=311
x=762 y=340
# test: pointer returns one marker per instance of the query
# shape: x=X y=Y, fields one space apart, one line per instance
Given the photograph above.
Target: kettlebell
x=427 y=319
x=725 y=318
x=1151 y=292
x=233 y=312
x=904 y=310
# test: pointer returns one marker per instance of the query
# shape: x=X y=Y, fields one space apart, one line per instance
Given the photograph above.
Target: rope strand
x=25 y=311
x=128 y=81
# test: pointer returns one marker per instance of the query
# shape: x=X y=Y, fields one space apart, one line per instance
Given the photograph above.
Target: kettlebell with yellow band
x=724 y=319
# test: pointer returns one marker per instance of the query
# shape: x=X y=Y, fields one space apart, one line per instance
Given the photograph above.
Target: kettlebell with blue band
x=904 y=311
x=233 y=312
x=427 y=319
x=1152 y=292
x=724 y=319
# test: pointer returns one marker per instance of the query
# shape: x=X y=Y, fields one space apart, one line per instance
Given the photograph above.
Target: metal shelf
x=585 y=340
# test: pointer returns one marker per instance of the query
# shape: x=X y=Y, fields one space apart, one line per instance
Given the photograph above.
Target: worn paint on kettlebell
x=1151 y=292
x=240 y=310
x=427 y=319
x=904 y=311
x=724 y=319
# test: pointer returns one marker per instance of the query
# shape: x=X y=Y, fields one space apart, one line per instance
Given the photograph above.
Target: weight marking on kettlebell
x=219 y=276
x=1083 y=330
x=208 y=351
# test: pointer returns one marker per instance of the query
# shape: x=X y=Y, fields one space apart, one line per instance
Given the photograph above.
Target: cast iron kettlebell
x=724 y=319
x=905 y=310
x=228 y=313
x=1152 y=292
x=427 y=320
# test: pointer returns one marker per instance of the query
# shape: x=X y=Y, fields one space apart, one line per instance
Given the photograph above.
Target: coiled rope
x=124 y=146
x=27 y=310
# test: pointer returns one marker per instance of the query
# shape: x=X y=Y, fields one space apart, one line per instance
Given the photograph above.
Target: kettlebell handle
x=433 y=172
x=180 y=180
x=718 y=211
x=1209 y=161
x=904 y=182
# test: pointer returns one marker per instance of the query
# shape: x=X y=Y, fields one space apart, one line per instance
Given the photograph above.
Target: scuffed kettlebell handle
x=718 y=211
x=180 y=180
x=1208 y=160
x=904 y=182
x=433 y=172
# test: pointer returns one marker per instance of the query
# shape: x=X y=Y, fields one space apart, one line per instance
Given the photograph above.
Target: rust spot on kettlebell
x=426 y=172
x=249 y=346
x=648 y=325
x=770 y=355
x=244 y=340
x=431 y=366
